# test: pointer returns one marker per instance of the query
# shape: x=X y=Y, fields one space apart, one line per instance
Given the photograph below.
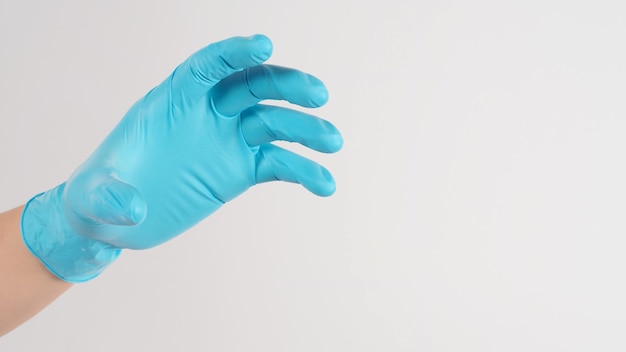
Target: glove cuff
x=49 y=237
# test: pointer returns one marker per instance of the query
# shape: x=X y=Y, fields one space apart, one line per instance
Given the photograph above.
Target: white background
x=481 y=193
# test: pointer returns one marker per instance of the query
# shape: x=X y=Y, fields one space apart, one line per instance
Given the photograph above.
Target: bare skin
x=27 y=286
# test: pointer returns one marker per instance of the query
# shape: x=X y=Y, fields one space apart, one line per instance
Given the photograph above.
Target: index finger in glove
x=205 y=68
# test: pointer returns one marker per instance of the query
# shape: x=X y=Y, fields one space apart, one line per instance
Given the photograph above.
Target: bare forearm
x=27 y=286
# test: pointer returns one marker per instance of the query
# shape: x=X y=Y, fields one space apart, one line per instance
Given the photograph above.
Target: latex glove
x=195 y=141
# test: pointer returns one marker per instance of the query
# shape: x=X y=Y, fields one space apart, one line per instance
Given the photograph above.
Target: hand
x=197 y=140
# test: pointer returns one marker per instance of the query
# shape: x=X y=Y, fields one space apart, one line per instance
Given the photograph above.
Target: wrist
x=49 y=237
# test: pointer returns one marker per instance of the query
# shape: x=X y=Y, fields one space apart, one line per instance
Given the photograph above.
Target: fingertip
x=138 y=210
x=115 y=202
x=263 y=47
x=327 y=191
x=331 y=139
x=327 y=186
x=329 y=143
x=335 y=142
x=319 y=93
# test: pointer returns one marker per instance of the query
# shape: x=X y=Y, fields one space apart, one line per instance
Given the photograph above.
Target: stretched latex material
x=194 y=142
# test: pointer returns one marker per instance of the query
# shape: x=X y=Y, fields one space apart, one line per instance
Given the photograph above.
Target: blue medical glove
x=194 y=142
